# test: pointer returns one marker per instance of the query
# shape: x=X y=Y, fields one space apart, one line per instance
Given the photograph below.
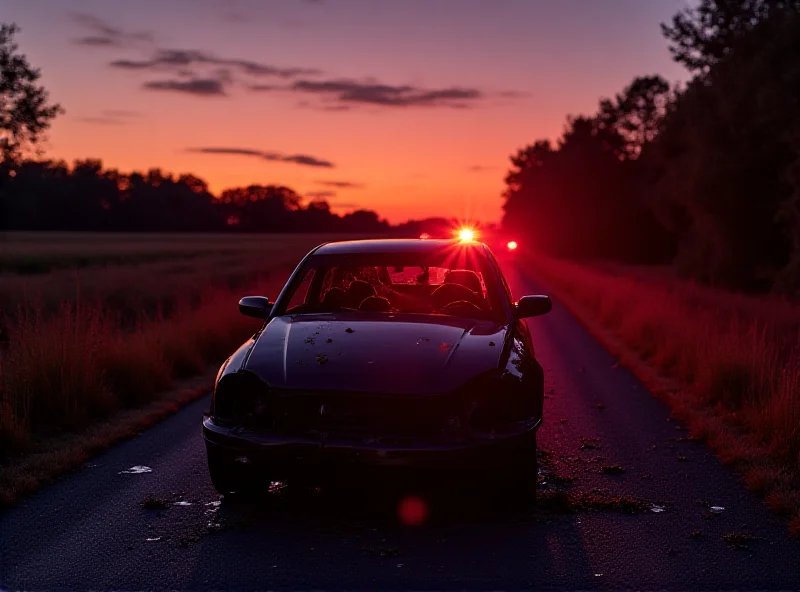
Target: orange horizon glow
x=242 y=126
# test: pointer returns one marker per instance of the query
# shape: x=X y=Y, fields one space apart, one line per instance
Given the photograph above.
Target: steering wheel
x=449 y=293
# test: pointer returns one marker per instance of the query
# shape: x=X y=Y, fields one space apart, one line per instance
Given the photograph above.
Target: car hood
x=420 y=354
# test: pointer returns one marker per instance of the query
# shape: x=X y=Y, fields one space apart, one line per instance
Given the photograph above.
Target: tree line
x=705 y=175
x=45 y=195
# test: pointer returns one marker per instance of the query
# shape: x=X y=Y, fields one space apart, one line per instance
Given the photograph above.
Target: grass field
x=733 y=362
x=96 y=324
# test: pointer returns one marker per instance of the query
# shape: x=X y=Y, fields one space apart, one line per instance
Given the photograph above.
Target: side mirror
x=255 y=306
x=532 y=306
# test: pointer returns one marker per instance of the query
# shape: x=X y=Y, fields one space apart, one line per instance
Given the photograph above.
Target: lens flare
x=413 y=511
x=512 y=245
x=466 y=234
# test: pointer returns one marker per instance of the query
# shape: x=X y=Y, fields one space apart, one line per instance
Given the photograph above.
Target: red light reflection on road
x=412 y=511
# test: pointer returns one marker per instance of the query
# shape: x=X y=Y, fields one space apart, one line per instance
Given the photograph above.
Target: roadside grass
x=49 y=458
x=727 y=364
x=84 y=364
x=63 y=372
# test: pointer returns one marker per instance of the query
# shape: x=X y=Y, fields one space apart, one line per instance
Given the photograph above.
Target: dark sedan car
x=382 y=353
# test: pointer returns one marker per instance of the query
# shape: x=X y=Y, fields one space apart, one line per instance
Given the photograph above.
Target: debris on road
x=612 y=469
x=657 y=509
x=589 y=443
x=737 y=540
x=137 y=470
x=154 y=503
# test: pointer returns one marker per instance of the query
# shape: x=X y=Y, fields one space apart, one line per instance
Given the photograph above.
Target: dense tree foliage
x=54 y=196
x=710 y=173
x=729 y=155
x=581 y=197
x=701 y=36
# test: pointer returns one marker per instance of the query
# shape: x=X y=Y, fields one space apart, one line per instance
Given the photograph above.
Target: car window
x=300 y=297
x=398 y=284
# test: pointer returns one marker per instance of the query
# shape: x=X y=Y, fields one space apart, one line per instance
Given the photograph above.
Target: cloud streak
x=298 y=159
x=320 y=194
x=110 y=117
x=341 y=94
x=172 y=60
x=340 y=184
x=102 y=34
x=204 y=87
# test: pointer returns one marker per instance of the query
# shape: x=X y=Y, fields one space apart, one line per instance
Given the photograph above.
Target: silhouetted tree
x=52 y=196
x=26 y=112
x=633 y=118
x=581 y=197
x=701 y=36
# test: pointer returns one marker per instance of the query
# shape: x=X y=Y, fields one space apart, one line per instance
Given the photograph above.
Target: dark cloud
x=350 y=91
x=299 y=159
x=340 y=184
x=320 y=194
x=344 y=93
x=204 y=87
x=180 y=59
x=477 y=168
x=105 y=35
x=346 y=205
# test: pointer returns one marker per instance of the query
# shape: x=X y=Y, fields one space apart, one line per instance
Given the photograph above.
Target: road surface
x=89 y=531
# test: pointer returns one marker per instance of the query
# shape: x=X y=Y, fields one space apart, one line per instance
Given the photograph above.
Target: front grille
x=362 y=415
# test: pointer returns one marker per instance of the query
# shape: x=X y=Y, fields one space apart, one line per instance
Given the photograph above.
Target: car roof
x=391 y=245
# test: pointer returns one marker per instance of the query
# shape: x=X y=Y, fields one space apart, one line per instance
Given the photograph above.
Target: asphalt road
x=89 y=531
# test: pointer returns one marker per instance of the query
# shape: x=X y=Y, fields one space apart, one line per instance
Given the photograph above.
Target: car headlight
x=242 y=398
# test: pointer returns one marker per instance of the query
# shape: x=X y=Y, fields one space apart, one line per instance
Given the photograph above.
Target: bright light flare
x=413 y=511
x=512 y=245
x=466 y=234
x=424 y=236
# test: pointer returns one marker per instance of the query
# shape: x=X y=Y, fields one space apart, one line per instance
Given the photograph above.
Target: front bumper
x=286 y=456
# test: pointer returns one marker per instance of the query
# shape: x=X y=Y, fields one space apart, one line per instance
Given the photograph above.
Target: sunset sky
x=408 y=107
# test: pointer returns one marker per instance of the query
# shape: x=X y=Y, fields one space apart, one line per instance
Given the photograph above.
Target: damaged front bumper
x=286 y=456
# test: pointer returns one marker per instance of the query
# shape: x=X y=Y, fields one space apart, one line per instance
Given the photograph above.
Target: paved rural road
x=88 y=531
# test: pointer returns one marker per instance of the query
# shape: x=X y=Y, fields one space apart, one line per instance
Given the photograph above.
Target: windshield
x=461 y=286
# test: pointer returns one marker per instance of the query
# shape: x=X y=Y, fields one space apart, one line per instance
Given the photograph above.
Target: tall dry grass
x=737 y=357
x=76 y=345
x=65 y=371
